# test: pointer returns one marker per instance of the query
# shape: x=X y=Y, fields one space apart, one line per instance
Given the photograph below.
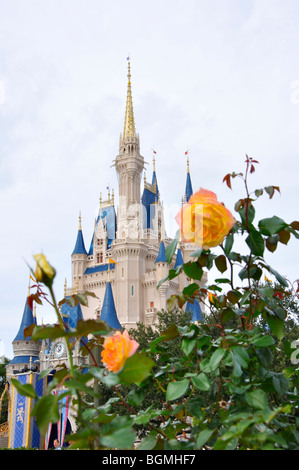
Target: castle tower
x=24 y=367
x=79 y=258
x=26 y=352
x=129 y=163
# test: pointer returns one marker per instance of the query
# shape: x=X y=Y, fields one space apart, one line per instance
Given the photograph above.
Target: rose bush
x=221 y=392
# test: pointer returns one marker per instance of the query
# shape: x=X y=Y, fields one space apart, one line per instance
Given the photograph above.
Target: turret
x=108 y=313
x=162 y=270
x=26 y=351
x=79 y=259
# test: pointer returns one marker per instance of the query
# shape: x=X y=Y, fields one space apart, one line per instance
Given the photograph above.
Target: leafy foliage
x=230 y=382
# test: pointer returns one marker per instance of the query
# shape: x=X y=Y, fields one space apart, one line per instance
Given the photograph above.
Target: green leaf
x=256 y=243
x=24 y=389
x=203 y=437
x=188 y=345
x=271 y=190
x=52 y=332
x=197 y=253
x=194 y=407
x=170 y=249
x=201 y=382
x=226 y=314
x=240 y=360
x=136 y=397
x=136 y=368
x=271 y=226
x=234 y=296
x=257 y=399
x=46 y=412
x=118 y=433
x=220 y=262
x=86 y=327
x=169 y=334
x=193 y=270
x=148 y=443
x=276 y=325
x=250 y=214
x=176 y=389
x=254 y=273
x=245 y=297
x=190 y=290
x=265 y=356
x=263 y=342
x=229 y=241
x=164 y=279
x=266 y=291
x=216 y=358
x=281 y=383
x=280 y=279
x=82 y=299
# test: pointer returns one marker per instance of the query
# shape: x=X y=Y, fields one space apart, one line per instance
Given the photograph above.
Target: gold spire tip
x=129 y=126
x=80 y=220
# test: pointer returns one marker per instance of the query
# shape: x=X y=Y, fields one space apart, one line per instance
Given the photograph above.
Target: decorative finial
x=112 y=197
x=129 y=127
x=187 y=154
x=154 y=160
x=80 y=220
x=100 y=199
x=29 y=286
x=65 y=287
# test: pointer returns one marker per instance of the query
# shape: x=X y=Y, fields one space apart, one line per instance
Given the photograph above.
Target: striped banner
x=23 y=430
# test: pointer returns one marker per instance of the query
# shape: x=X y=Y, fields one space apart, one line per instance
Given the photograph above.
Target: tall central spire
x=129 y=127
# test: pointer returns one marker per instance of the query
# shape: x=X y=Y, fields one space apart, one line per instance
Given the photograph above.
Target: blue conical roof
x=27 y=320
x=179 y=259
x=108 y=313
x=188 y=190
x=71 y=315
x=79 y=247
x=195 y=310
x=161 y=258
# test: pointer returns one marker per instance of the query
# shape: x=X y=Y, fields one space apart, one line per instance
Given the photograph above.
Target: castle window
x=99 y=258
x=132 y=290
x=152 y=304
x=122 y=272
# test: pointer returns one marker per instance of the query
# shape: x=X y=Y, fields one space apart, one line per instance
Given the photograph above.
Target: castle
x=122 y=266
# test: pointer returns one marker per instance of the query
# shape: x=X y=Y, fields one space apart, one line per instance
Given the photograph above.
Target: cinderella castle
x=122 y=266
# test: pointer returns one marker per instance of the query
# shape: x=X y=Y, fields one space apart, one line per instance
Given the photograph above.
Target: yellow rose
x=44 y=272
x=117 y=349
x=204 y=220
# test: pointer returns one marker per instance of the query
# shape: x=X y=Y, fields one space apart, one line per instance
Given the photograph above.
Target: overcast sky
x=217 y=77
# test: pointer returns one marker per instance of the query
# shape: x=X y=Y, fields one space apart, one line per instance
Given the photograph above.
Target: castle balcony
x=150 y=315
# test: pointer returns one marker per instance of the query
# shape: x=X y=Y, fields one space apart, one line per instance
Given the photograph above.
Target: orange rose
x=117 y=349
x=204 y=220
